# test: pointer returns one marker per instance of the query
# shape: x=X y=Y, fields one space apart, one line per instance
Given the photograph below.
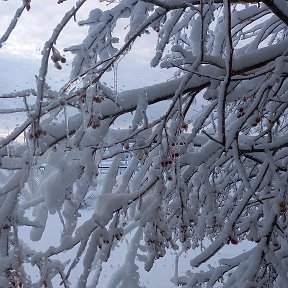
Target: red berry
x=258 y=119
x=126 y=146
x=62 y=102
x=97 y=99
x=184 y=126
x=95 y=125
x=283 y=207
x=234 y=241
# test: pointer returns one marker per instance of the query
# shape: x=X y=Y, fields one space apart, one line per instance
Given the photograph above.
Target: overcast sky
x=20 y=56
x=22 y=51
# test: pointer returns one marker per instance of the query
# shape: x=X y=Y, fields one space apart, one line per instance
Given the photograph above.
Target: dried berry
x=283 y=207
x=63 y=59
x=97 y=99
x=126 y=145
x=96 y=124
x=157 y=29
x=62 y=102
x=234 y=241
x=184 y=126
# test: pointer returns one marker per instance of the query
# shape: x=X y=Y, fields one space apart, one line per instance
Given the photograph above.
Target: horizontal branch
x=172 y=5
x=19 y=94
x=127 y=101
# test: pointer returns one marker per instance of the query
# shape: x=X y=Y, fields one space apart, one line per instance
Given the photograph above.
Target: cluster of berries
x=95 y=123
x=167 y=164
x=56 y=57
x=254 y=119
x=82 y=95
x=184 y=126
x=28 y=5
x=98 y=98
x=36 y=131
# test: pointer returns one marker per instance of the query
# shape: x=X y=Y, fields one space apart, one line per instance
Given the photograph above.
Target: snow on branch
x=12 y=25
x=200 y=163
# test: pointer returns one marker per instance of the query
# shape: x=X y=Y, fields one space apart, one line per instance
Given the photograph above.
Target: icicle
x=66 y=124
x=115 y=81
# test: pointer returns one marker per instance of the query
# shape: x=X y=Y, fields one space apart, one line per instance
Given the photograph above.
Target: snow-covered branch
x=12 y=25
x=208 y=170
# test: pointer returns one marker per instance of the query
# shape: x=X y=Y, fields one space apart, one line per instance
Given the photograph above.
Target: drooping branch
x=41 y=79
